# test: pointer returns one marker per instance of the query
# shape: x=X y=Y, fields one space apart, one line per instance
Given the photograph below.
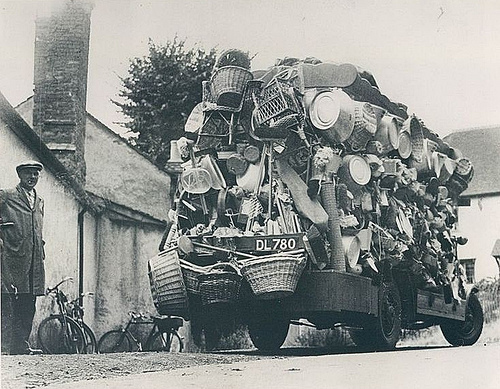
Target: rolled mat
x=337 y=259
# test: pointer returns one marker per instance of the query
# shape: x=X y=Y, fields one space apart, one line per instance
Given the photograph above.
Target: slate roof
x=482 y=147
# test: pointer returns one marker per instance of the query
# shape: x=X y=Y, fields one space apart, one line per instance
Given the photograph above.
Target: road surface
x=412 y=368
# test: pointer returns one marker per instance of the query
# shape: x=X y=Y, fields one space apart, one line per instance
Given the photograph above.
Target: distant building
x=480 y=221
x=105 y=203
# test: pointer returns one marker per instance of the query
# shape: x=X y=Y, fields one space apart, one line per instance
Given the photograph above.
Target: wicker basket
x=274 y=276
x=413 y=126
x=228 y=85
x=191 y=272
x=220 y=284
x=167 y=285
x=365 y=126
x=275 y=104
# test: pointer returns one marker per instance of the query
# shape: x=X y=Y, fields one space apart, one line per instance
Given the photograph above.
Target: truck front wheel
x=465 y=333
x=382 y=333
x=269 y=333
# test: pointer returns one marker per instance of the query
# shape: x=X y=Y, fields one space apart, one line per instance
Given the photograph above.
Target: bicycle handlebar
x=53 y=289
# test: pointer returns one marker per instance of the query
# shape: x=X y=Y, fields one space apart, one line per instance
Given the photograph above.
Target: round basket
x=413 y=126
x=221 y=284
x=228 y=85
x=274 y=276
x=167 y=284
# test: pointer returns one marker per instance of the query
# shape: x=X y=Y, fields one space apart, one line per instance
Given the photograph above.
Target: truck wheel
x=465 y=333
x=268 y=334
x=383 y=332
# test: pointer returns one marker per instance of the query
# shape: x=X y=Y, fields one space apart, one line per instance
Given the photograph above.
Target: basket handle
x=223 y=266
x=297 y=257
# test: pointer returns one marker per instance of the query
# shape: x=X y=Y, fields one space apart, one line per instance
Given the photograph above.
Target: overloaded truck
x=303 y=192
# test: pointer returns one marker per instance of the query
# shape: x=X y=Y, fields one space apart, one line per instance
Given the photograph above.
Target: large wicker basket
x=167 y=285
x=221 y=284
x=228 y=85
x=191 y=272
x=273 y=276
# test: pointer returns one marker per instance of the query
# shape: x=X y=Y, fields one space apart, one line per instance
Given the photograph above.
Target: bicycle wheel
x=90 y=340
x=115 y=341
x=60 y=334
x=165 y=341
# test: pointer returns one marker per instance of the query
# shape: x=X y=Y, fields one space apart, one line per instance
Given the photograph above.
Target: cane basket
x=220 y=284
x=274 y=276
x=167 y=285
x=191 y=272
x=276 y=105
x=228 y=85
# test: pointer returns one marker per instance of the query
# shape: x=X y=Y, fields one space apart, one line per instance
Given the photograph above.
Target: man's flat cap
x=29 y=164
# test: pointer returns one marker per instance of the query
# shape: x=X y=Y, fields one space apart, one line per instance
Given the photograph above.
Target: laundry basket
x=273 y=276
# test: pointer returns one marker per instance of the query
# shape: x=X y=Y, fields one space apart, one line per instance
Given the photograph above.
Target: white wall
x=60 y=230
x=480 y=223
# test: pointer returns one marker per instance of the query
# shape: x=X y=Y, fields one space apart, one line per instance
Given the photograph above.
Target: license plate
x=271 y=243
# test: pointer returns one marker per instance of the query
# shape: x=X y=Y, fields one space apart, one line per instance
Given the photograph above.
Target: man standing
x=23 y=273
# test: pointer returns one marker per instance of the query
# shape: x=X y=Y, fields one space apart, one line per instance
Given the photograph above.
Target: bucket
x=365 y=239
x=355 y=172
x=207 y=163
x=443 y=166
x=331 y=113
x=352 y=249
x=387 y=133
x=404 y=146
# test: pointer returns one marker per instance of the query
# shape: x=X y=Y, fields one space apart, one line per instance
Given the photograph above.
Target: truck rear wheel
x=465 y=333
x=269 y=333
x=383 y=332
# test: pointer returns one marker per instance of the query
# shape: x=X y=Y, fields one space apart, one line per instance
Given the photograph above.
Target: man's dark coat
x=23 y=253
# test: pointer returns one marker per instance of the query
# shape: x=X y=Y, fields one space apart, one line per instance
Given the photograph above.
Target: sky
x=438 y=57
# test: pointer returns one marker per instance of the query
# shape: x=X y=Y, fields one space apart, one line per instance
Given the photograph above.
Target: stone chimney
x=61 y=68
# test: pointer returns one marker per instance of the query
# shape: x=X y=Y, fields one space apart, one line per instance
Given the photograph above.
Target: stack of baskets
x=274 y=276
x=167 y=285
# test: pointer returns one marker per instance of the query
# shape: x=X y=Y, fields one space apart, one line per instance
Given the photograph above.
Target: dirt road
x=409 y=368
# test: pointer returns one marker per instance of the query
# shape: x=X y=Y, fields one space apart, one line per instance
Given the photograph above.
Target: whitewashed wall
x=60 y=222
x=480 y=223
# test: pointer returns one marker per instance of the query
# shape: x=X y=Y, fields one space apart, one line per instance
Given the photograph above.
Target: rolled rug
x=328 y=199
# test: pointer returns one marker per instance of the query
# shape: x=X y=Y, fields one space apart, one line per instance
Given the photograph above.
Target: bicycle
x=162 y=337
x=59 y=333
x=75 y=310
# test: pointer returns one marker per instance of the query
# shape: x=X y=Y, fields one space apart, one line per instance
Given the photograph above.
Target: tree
x=160 y=91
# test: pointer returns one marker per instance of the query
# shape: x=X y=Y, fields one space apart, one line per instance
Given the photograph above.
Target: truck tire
x=466 y=333
x=383 y=332
x=269 y=333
